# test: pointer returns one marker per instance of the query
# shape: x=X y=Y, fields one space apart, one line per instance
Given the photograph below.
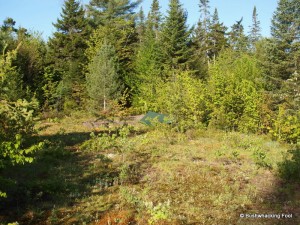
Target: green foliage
x=287 y=125
x=102 y=78
x=11 y=86
x=184 y=100
x=30 y=62
x=285 y=30
x=148 y=64
x=235 y=92
x=284 y=23
x=216 y=37
x=102 y=12
x=254 y=34
x=289 y=168
x=66 y=51
x=237 y=39
x=159 y=212
x=100 y=142
x=175 y=39
x=122 y=35
x=16 y=119
x=260 y=158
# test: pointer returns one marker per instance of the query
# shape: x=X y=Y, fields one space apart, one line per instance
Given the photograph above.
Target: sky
x=38 y=15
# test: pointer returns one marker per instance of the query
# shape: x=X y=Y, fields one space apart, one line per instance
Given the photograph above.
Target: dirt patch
x=93 y=124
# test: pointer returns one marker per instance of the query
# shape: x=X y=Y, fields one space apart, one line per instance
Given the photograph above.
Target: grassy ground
x=120 y=174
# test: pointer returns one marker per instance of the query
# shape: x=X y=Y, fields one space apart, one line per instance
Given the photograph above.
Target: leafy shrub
x=287 y=126
x=184 y=100
x=16 y=116
x=289 y=168
x=100 y=142
x=158 y=212
x=260 y=158
x=234 y=87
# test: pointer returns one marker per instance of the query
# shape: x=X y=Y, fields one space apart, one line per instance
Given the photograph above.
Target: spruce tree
x=66 y=48
x=237 y=38
x=285 y=59
x=285 y=21
x=148 y=62
x=216 y=37
x=254 y=34
x=140 y=24
x=154 y=18
x=68 y=42
x=202 y=30
x=285 y=30
x=205 y=16
x=176 y=38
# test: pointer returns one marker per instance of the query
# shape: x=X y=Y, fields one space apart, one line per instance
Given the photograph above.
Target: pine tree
x=176 y=38
x=102 y=78
x=255 y=29
x=9 y=25
x=101 y=12
x=66 y=47
x=116 y=23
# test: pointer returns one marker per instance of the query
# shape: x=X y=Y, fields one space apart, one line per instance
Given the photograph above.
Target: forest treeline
x=108 y=55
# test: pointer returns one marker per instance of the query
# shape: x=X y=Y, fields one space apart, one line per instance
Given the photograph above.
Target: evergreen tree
x=148 y=62
x=117 y=25
x=255 y=29
x=101 y=12
x=102 y=78
x=205 y=16
x=9 y=25
x=66 y=48
x=237 y=38
x=285 y=22
x=141 y=24
x=216 y=37
x=154 y=18
x=176 y=38
x=285 y=30
x=202 y=30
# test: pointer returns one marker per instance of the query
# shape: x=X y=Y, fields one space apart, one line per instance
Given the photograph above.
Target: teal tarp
x=153 y=116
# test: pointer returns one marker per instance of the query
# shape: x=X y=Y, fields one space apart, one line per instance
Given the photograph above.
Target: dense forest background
x=108 y=58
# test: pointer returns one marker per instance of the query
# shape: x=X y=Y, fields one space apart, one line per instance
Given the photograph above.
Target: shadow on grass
x=59 y=177
x=283 y=197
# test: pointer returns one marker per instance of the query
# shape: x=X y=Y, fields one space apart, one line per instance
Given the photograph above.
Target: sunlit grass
x=150 y=175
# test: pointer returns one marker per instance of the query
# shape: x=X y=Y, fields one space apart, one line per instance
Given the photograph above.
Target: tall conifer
x=237 y=37
x=176 y=38
x=216 y=37
x=254 y=34
x=66 y=49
